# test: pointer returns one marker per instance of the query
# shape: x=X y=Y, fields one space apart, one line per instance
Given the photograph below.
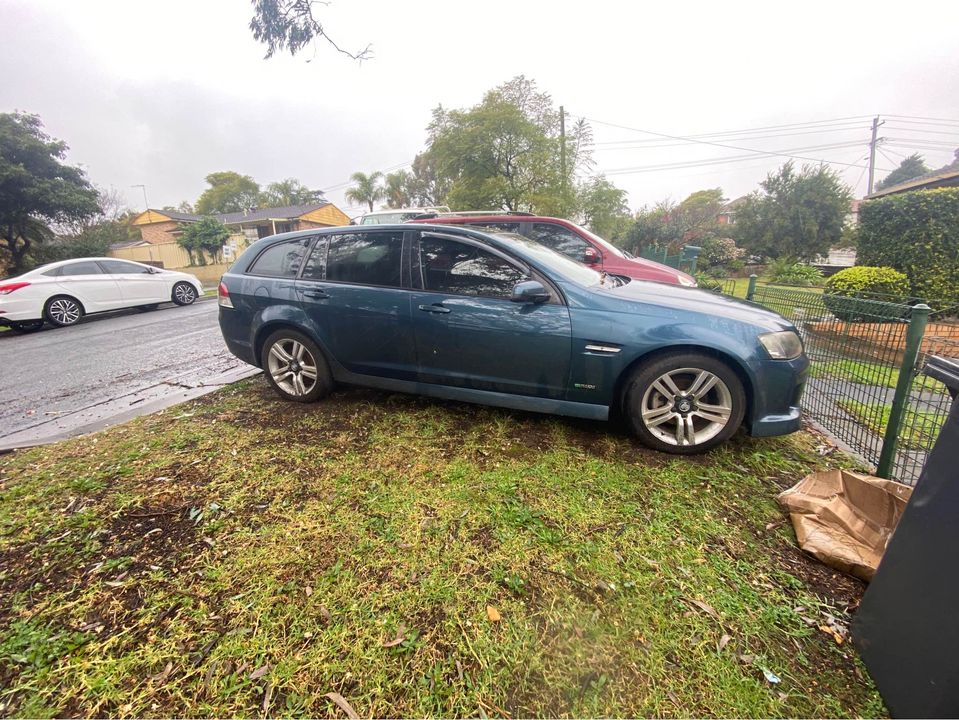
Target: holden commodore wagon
x=497 y=319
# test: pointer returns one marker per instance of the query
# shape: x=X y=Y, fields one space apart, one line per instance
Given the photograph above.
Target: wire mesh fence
x=864 y=386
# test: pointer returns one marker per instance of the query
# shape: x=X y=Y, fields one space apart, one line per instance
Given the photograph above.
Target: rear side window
x=462 y=269
x=118 y=267
x=281 y=260
x=558 y=238
x=497 y=226
x=372 y=258
x=89 y=267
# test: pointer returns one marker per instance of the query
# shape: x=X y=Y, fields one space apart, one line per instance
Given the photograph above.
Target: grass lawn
x=867 y=373
x=241 y=556
x=921 y=428
x=742 y=284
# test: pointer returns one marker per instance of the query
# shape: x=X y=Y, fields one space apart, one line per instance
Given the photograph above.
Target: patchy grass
x=919 y=428
x=240 y=556
x=742 y=285
x=868 y=373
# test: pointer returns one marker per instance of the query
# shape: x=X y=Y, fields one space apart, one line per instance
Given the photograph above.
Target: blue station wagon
x=497 y=319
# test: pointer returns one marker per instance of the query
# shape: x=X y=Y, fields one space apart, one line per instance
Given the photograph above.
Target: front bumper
x=777 y=395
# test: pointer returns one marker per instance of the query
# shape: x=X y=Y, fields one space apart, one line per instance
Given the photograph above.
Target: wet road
x=109 y=368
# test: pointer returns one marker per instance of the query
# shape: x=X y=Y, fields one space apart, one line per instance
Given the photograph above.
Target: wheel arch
x=731 y=361
x=46 y=303
x=271 y=326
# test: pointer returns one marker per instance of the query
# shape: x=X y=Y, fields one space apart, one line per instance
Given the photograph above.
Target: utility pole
x=562 y=143
x=146 y=202
x=872 y=152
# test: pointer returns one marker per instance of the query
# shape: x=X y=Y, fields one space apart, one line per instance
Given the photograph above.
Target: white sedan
x=61 y=293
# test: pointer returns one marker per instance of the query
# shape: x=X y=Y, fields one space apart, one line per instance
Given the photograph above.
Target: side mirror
x=530 y=291
x=591 y=256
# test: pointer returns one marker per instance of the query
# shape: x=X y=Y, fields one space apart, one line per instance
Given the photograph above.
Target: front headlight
x=784 y=345
x=685 y=281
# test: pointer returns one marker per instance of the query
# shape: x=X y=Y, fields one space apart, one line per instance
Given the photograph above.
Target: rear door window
x=281 y=260
x=119 y=267
x=367 y=258
x=89 y=267
x=560 y=239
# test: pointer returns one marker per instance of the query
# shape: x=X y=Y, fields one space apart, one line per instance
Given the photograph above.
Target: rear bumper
x=232 y=329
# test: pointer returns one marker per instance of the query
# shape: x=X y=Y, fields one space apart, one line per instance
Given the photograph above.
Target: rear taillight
x=10 y=287
x=223 y=296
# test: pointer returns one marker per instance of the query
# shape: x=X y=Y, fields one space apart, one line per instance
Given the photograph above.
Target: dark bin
x=907 y=627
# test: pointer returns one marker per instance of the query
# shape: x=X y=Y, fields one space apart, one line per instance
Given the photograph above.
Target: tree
x=397 y=189
x=505 y=153
x=289 y=192
x=37 y=189
x=228 y=192
x=912 y=167
x=797 y=215
x=693 y=221
x=603 y=209
x=290 y=25
x=366 y=189
x=91 y=237
x=425 y=185
x=205 y=236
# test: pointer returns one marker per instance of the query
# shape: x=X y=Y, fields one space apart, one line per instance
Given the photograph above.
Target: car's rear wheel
x=27 y=326
x=63 y=311
x=183 y=294
x=295 y=367
x=684 y=403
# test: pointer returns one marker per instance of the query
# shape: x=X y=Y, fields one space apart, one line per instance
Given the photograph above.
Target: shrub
x=863 y=293
x=707 y=282
x=786 y=271
x=916 y=233
x=719 y=252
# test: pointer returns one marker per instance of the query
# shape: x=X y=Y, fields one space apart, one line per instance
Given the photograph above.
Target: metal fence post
x=918 y=319
x=751 y=290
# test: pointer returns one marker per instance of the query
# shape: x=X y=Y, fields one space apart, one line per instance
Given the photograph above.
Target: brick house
x=164 y=226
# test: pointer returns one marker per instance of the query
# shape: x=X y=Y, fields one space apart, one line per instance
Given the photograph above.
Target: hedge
x=864 y=293
x=917 y=233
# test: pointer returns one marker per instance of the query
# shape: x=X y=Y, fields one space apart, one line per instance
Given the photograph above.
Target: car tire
x=26 y=326
x=62 y=311
x=684 y=403
x=183 y=294
x=295 y=366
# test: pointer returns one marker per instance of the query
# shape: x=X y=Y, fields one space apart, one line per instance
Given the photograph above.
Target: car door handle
x=316 y=293
x=435 y=308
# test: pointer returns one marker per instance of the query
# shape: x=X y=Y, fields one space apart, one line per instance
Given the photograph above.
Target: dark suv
x=454 y=313
x=572 y=241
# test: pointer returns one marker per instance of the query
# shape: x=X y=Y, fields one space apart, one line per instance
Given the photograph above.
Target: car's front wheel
x=295 y=367
x=62 y=311
x=184 y=294
x=684 y=403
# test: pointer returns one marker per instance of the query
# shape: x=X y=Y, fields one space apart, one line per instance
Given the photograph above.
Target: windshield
x=389 y=218
x=552 y=260
x=612 y=249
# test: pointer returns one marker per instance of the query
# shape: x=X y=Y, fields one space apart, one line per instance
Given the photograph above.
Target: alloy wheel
x=184 y=294
x=292 y=367
x=686 y=407
x=64 y=311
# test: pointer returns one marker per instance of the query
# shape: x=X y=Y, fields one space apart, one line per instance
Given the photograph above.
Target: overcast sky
x=163 y=93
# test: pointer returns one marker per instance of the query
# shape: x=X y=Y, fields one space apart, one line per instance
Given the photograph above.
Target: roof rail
x=483 y=213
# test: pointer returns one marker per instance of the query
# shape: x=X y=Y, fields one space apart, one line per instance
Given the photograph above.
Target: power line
x=623 y=146
x=799 y=126
x=954 y=133
x=925 y=119
x=722 y=145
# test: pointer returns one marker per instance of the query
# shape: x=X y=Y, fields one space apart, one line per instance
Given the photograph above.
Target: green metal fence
x=684 y=260
x=864 y=385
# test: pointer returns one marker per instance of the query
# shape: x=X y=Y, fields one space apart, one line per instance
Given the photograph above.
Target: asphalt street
x=109 y=368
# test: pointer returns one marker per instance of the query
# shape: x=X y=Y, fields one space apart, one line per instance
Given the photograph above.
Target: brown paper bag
x=845 y=519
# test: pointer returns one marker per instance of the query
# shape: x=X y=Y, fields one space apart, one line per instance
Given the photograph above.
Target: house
x=727 y=215
x=158 y=227
x=944 y=177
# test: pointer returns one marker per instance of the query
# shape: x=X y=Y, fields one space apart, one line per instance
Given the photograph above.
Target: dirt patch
x=841 y=590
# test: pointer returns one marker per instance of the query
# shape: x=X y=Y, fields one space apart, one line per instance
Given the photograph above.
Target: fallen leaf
x=723 y=642
x=325 y=613
x=162 y=676
x=260 y=672
x=706 y=608
x=343 y=705
x=308 y=590
x=493 y=614
x=747 y=659
x=400 y=637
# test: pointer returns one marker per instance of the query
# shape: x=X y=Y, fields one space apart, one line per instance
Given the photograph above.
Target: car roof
x=496 y=217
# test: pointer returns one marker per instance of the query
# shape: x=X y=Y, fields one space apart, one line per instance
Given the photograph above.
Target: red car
x=572 y=241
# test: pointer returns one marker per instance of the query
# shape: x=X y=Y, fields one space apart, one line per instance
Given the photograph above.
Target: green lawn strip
x=919 y=428
x=240 y=555
x=742 y=285
x=867 y=373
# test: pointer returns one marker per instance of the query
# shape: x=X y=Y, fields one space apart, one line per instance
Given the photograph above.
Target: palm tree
x=397 y=193
x=366 y=188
